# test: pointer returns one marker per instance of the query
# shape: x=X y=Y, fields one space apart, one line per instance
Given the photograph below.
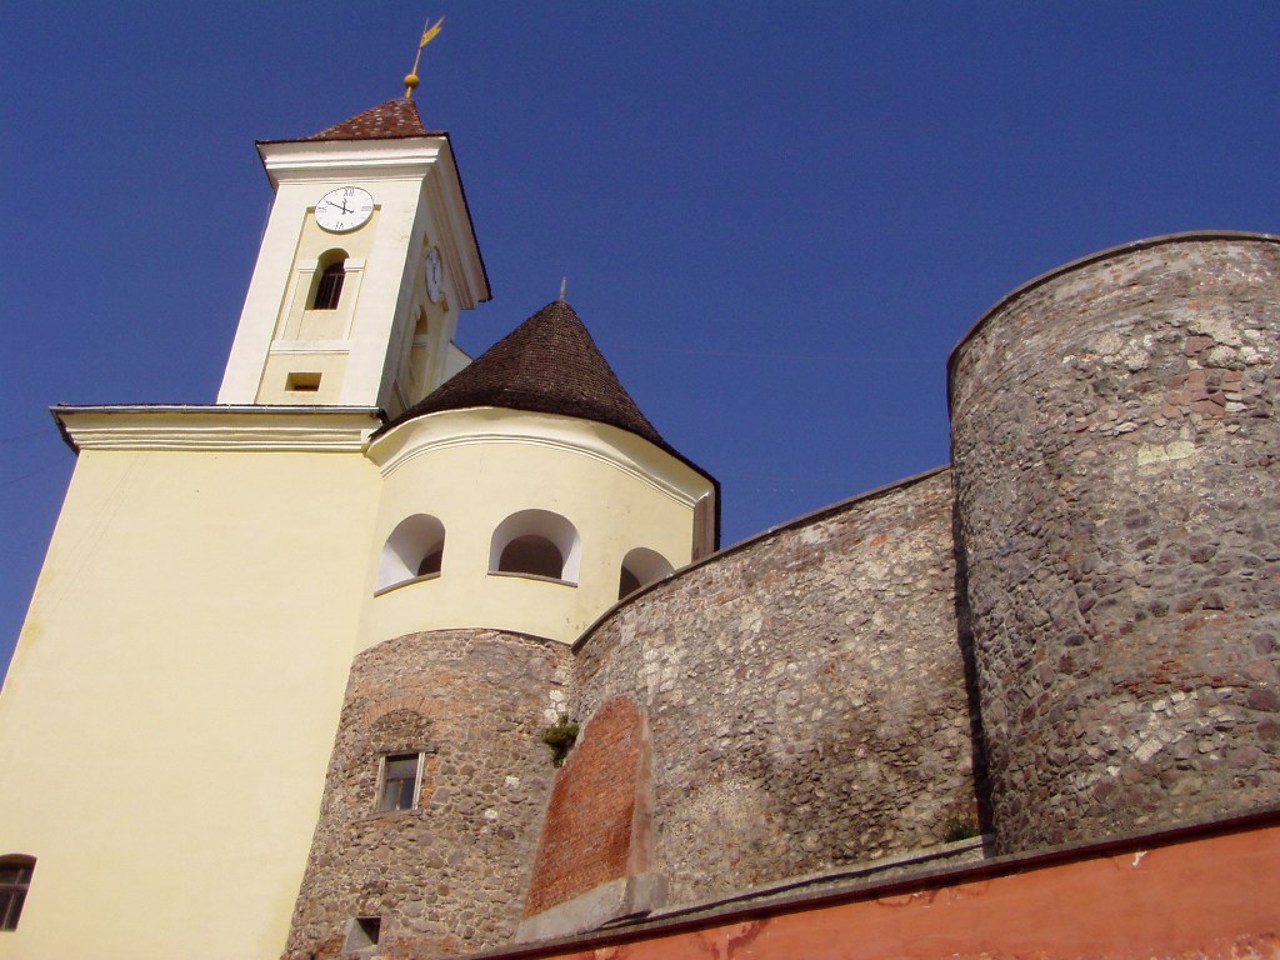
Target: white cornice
x=623 y=451
x=312 y=159
x=333 y=429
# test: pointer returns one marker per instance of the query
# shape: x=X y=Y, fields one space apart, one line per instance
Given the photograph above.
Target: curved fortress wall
x=1115 y=438
x=448 y=875
x=804 y=695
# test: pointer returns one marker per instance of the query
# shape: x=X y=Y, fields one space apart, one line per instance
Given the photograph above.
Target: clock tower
x=368 y=257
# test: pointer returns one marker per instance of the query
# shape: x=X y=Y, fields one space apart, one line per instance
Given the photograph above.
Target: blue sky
x=777 y=220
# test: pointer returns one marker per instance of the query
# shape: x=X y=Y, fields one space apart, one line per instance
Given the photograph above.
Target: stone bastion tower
x=1115 y=435
x=519 y=501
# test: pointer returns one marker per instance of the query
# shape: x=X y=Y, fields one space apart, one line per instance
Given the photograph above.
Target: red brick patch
x=594 y=830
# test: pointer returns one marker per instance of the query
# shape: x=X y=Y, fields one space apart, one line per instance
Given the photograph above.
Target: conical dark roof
x=395 y=118
x=548 y=364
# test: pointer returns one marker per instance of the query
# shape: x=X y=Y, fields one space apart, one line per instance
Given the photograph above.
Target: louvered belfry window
x=330 y=288
x=15 y=878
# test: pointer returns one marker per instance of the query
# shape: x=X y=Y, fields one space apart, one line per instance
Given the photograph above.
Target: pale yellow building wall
x=170 y=710
x=471 y=469
x=328 y=365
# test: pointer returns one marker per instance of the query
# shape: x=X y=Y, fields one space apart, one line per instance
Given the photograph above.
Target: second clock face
x=344 y=209
x=435 y=275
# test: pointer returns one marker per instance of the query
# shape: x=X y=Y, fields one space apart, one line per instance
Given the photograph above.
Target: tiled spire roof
x=395 y=118
x=548 y=364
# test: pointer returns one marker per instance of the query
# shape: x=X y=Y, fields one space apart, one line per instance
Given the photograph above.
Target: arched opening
x=532 y=554
x=333 y=273
x=414 y=549
x=628 y=583
x=15 y=880
x=641 y=567
x=431 y=562
x=536 y=543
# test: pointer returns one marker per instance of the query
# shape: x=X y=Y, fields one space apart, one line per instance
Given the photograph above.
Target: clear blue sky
x=776 y=219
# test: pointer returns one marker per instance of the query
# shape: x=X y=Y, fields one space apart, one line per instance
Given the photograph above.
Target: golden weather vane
x=429 y=32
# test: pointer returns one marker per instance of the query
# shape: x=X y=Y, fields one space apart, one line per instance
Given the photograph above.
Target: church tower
x=368 y=256
x=355 y=577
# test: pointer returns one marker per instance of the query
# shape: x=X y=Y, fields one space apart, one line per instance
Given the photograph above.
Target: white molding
x=218 y=428
x=310 y=346
x=326 y=159
x=425 y=435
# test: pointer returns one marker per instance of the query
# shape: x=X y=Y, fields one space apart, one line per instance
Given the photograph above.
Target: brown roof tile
x=395 y=118
x=548 y=364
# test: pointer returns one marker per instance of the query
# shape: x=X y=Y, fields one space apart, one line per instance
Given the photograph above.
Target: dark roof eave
x=414 y=136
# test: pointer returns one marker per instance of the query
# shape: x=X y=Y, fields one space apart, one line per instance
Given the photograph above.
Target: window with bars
x=15 y=878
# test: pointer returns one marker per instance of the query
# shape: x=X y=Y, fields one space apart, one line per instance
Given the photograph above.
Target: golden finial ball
x=411 y=81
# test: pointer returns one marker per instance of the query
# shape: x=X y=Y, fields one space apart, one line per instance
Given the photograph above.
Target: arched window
x=641 y=567
x=15 y=879
x=536 y=543
x=414 y=549
x=333 y=271
x=330 y=287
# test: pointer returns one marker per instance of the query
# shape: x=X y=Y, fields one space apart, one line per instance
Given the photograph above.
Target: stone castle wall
x=806 y=695
x=449 y=876
x=1115 y=439
x=814 y=698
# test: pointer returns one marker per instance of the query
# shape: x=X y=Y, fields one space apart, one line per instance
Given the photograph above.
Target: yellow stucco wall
x=168 y=717
x=471 y=469
x=170 y=710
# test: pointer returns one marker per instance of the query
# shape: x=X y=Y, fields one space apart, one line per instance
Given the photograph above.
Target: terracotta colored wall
x=1211 y=899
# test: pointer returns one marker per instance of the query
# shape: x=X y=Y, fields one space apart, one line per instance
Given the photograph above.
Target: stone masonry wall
x=449 y=876
x=806 y=695
x=1115 y=442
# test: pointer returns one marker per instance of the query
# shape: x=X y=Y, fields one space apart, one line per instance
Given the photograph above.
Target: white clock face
x=344 y=209
x=435 y=275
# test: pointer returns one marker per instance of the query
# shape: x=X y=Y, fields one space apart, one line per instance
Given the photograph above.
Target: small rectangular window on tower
x=398 y=788
x=302 y=382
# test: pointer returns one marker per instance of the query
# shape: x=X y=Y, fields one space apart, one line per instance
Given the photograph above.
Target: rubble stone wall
x=806 y=695
x=450 y=875
x=1115 y=444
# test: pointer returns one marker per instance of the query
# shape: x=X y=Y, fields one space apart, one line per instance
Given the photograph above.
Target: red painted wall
x=1209 y=897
